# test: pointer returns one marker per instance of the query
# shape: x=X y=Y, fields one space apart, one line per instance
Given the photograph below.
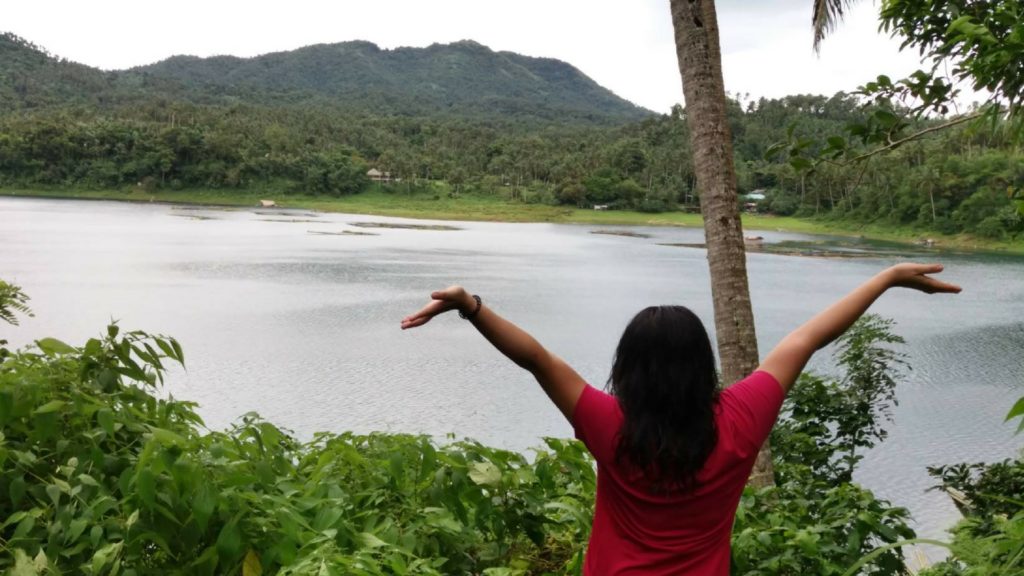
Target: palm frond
x=827 y=15
x=12 y=300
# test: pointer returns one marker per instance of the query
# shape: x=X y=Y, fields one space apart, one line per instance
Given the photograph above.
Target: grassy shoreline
x=492 y=209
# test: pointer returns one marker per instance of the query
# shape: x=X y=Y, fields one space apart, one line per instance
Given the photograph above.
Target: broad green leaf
x=485 y=474
x=326 y=518
x=885 y=117
x=105 y=418
x=167 y=437
x=368 y=540
x=145 y=484
x=1017 y=410
x=203 y=504
x=442 y=519
x=502 y=571
x=800 y=164
x=105 y=555
x=251 y=565
x=229 y=541
x=23 y=565
x=53 y=491
x=883 y=549
x=164 y=347
x=177 y=350
x=54 y=347
x=27 y=523
x=41 y=562
x=16 y=517
x=75 y=529
x=51 y=406
x=17 y=490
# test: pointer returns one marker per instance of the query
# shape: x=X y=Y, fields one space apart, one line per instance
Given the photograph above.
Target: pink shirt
x=636 y=531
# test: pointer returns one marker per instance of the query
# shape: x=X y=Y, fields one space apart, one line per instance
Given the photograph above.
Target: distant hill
x=31 y=77
x=463 y=79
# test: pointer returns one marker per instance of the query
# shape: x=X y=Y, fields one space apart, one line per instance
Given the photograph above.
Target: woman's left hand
x=451 y=298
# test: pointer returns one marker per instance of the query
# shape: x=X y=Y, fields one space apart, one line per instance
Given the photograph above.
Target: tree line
x=959 y=180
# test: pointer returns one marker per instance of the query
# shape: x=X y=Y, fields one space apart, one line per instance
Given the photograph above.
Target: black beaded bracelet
x=475 y=311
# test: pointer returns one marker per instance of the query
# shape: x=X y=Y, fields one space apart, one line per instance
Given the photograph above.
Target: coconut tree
x=826 y=16
x=700 y=65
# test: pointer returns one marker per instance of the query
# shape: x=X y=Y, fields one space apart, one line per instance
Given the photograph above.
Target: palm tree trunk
x=700 y=65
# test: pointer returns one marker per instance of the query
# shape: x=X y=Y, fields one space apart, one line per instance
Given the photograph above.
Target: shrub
x=816 y=521
x=104 y=475
x=783 y=204
x=991 y=227
x=990 y=539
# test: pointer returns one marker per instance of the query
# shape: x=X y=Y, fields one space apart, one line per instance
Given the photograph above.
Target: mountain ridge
x=463 y=79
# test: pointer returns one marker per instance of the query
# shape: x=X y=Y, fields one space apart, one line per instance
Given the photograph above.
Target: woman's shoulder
x=748 y=410
x=758 y=386
x=596 y=421
x=592 y=399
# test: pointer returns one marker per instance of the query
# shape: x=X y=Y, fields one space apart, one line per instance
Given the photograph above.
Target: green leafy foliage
x=982 y=41
x=102 y=474
x=12 y=300
x=829 y=421
x=979 y=43
x=1017 y=412
x=275 y=138
x=815 y=520
x=804 y=526
x=984 y=490
x=990 y=539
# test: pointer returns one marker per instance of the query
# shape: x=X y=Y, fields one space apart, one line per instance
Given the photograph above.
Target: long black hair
x=665 y=381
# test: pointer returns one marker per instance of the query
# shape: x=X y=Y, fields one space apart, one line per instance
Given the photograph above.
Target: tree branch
x=917 y=135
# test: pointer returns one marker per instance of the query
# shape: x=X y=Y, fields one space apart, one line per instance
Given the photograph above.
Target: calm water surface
x=304 y=328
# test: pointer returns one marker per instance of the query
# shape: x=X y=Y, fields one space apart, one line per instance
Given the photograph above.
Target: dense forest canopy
x=183 y=123
x=462 y=79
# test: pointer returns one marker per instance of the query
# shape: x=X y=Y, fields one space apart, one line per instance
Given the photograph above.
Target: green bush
x=815 y=520
x=783 y=204
x=105 y=477
x=991 y=227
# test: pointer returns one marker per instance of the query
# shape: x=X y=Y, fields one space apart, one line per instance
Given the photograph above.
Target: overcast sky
x=624 y=45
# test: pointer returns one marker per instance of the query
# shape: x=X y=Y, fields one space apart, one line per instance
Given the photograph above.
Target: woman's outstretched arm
x=560 y=382
x=789 y=357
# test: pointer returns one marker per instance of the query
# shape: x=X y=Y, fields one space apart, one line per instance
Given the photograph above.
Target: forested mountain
x=31 y=77
x=239 y=124
x=463 y=79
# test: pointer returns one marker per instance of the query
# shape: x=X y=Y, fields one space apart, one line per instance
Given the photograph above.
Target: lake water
x=303 y=327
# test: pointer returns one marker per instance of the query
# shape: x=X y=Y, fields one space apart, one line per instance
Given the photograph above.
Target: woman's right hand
x=441 y=301
x=916 y=277
x=790 y=356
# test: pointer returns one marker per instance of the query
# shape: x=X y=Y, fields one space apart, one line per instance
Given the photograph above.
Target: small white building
x=377 y=176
